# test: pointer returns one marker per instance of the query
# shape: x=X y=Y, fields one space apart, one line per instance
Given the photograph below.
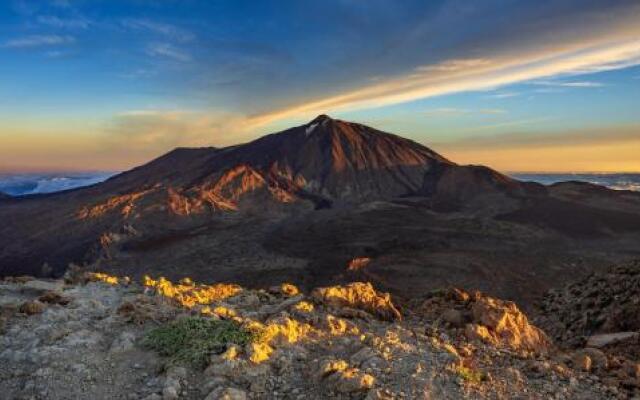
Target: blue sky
x=518 y=85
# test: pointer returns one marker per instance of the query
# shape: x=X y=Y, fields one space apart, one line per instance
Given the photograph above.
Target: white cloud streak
x=619 y=49
x=166 y=50
x=168 y=30
x=38 y=41
x=64 y=23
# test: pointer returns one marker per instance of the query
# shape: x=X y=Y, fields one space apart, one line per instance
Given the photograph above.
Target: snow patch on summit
x=310 y=129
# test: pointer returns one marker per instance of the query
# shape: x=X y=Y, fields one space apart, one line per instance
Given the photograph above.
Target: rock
x=363 y=355
x=509 y=326
x=54 y=298
x=44 y=286
x=457 y=295
x=581 y=361
x=328 y=367
x=453 y=317
x=588 y=359
x=598 y=358
x=358 y=295
x=478 y=333
x=258 y=352
x=169 y=393
x=598 y=341
x=31 y=307
x=632 y=369
x=177 y=372
x=353 y=380
x=227 y=394
x=124 y=342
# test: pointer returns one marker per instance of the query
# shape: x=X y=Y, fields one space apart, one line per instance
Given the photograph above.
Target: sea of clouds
x=34 y=183
x=612 y=181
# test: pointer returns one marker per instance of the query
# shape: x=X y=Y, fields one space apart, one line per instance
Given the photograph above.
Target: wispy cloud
x=64 y=23
x=139 y=73
x=502 y=95
x=574 y=84
x=152 y=131
x=168 y=30
x=38 y=41
x=452 y=111
x=169 y=51
x=618 y=48
x=455 y=65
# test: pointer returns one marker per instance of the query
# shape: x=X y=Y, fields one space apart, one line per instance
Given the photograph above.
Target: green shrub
x=470 y=375
x=192 y=340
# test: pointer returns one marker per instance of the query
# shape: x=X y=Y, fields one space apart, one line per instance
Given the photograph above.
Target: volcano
x=299 y=204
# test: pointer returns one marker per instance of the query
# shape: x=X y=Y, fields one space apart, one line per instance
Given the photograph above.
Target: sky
x=535 y=86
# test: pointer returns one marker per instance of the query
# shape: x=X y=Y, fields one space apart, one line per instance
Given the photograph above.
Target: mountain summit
x=326 y=162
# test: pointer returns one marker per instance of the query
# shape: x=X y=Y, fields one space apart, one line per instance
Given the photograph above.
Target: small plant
x=470 y=375
x=192 y=340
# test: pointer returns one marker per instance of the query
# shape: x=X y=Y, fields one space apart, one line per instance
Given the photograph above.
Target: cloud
x=452 y=111
x=64 y=23
x=38 y=41
x=168 y=30
x=502 y=95
x=121 y=141
x=611 y=42
x=61 y=3
x=166 y=50
x=454 y=65
x=151 y=131
x=575 y=84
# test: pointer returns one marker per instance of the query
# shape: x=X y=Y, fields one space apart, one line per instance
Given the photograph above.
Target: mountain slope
x=325 y=163
x=298 y=205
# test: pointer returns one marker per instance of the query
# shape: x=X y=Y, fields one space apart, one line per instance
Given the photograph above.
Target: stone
x=123 y=343
x=44 y=286
x=31 y=307
x=598 y=341
x=581 y=361
x=54 y=298
x=363 y=355
x=632 y=368
x=598 y=358
x=453 y=317
x=353 y=380
x=359 y=295
x=510 y=326
x=478 y=333
x=169 y=393
x=227 y=394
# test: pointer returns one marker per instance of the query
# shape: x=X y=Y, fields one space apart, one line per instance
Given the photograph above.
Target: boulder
x=44 y=286
x=508 y=325
x=358 y=295
x=598 y=341
x=31 y=307
x=227 y=394
x=453 y=317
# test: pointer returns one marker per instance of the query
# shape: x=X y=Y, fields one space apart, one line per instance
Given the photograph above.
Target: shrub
x=192 y=340
x=470 y=375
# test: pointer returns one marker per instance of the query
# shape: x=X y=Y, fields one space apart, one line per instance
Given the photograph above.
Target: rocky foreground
x=94 y=336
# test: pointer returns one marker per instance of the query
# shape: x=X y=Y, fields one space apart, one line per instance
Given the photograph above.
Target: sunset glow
x=520 y=87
